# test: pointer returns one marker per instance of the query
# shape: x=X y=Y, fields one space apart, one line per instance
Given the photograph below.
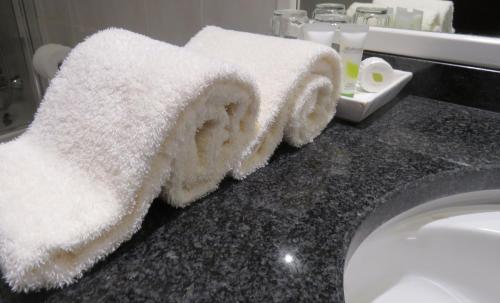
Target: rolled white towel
x=298 y=82
x=124 y=115
x=438 y=15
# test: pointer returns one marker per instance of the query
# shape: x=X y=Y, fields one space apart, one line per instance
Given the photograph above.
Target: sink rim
x=425 y=190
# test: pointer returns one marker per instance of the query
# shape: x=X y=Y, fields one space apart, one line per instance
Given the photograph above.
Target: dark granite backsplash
x=465 y=85
x=282 y=234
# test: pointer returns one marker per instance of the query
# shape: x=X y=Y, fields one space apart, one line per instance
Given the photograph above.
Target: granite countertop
x=283 y=233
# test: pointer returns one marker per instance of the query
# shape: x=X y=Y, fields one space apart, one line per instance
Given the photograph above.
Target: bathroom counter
x=282 y=234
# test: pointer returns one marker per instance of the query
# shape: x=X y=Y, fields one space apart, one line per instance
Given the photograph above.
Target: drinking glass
x=287 y=22
x=373 y=16
x=323 y=10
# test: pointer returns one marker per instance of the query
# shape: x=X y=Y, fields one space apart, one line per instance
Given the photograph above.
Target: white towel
x=124 y=115
x=298 y=82
x=438 y=15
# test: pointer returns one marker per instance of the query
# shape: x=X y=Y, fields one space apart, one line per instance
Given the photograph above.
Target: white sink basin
x=446 y=250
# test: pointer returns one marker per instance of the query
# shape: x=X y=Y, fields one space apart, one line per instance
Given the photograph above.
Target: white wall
x=69 y=21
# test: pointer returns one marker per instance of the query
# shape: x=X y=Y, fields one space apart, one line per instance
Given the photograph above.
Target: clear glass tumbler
x=332 y=19
x=373 y=16
x=326 y=10
x=287 y=22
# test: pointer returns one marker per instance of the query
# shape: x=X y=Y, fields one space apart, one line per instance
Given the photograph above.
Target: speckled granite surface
x=282 y=234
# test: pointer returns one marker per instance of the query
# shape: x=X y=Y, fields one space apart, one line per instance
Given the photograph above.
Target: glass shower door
x=18 y=90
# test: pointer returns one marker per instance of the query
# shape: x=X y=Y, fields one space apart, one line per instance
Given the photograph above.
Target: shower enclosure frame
x=24 y=16
x=29 y=32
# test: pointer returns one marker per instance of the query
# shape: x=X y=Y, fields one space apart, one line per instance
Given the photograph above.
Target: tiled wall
x=69 y=21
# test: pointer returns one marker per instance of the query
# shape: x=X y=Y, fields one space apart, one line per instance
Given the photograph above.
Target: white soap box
x=363 y=104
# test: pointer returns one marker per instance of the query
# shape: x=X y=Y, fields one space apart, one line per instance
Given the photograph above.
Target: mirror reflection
x=445 y=16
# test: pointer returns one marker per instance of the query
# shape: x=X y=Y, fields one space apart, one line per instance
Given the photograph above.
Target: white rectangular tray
x=364 y=104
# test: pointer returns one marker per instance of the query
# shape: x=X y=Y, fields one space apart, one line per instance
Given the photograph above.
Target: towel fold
x=125 y=115
x=438 y=14
x=298 y=83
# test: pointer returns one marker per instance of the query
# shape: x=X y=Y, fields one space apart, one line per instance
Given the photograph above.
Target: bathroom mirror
x=451 y=16
x=467 y=34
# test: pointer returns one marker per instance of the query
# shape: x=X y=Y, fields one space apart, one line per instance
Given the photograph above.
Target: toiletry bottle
x=352 y=40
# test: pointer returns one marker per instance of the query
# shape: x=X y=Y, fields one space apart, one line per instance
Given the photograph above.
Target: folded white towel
x=438 y=15
x=298 y=81
x=124 y=115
